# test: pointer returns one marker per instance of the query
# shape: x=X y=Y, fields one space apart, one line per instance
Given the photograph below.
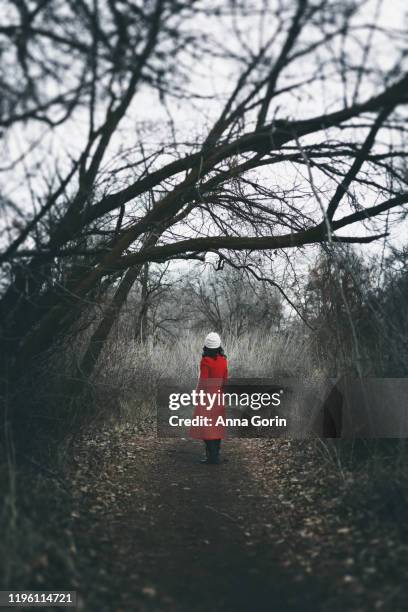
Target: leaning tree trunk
x=101 y=333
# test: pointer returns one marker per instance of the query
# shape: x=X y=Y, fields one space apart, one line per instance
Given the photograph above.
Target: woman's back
x=213 y=371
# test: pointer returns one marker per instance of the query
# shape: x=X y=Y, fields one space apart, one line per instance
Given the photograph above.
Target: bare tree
x=233 y=302
x=360 y=323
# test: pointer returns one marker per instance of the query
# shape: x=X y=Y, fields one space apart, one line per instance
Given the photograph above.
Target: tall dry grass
x=37 y=544
x=129 y=373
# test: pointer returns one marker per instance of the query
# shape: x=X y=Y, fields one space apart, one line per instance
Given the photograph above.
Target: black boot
x=211 y=452
x=207 y=452
x=213 y=447
x=218 y=449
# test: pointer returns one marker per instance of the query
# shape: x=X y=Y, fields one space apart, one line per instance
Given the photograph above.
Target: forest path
x=157 y=531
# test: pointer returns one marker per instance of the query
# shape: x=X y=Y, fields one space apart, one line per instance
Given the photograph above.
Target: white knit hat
x=212 y=340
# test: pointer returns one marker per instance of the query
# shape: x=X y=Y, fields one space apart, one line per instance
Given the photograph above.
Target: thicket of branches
x=138 y=132
x=353 y=309
x=358 y=310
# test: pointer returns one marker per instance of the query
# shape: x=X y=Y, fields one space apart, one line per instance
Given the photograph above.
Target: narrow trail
x=159 y=532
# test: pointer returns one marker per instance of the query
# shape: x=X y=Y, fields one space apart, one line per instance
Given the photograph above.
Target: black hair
x=213 y=352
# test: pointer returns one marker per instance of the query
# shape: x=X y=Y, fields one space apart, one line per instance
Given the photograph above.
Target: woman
x=213 y=374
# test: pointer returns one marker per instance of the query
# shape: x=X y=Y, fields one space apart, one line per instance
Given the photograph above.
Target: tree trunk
x=141 y=322
x=101 y=333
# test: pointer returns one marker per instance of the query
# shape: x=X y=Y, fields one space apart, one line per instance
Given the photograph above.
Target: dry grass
x=37 y=544
x=129 y=365
x=129 y=373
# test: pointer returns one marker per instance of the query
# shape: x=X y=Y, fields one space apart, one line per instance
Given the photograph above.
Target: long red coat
x=213 y=374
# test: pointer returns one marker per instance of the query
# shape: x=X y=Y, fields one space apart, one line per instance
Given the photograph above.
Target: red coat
x=213 y=374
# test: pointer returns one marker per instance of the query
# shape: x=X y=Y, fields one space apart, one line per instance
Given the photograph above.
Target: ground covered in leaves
x=277 y=527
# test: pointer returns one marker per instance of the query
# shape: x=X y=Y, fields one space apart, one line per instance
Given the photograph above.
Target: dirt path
x=157 y=531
